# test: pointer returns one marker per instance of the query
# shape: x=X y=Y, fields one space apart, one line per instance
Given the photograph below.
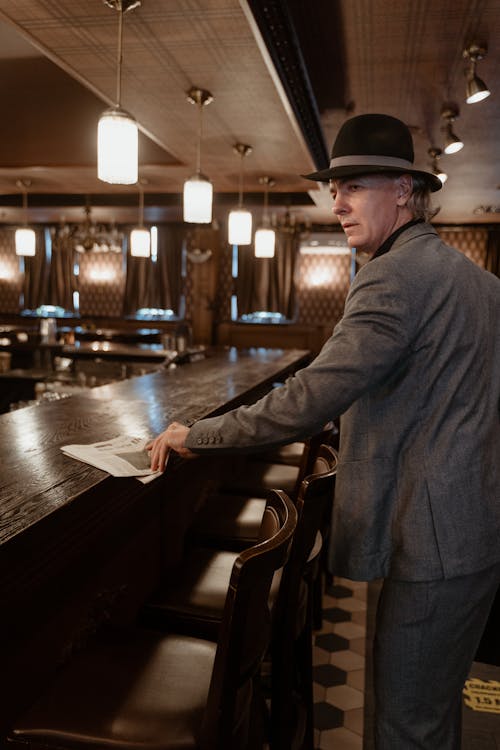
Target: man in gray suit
x=413 y=367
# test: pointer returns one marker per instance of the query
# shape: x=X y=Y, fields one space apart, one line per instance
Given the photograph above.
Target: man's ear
x=405 y=187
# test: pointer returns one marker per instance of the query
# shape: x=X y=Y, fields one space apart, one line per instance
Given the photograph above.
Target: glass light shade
x=442 y=176
x=265 y=240
x=117 y=148
x=476 y=90
x=240 y=227
x=140 y=242
x=198 y=195
x=25 y=241
x=453 y=145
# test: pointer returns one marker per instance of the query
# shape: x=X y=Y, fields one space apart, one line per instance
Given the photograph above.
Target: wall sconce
x=452 y=142
x=117 y=134
x=25 y=238
x=265 y=237
x=198 y=190
x=140 y=237
x=240 y=221
x=476 y=89
x=435 y=153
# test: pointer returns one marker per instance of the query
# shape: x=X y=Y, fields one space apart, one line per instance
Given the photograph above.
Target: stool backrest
x=292 y=616
x=245 y=628
x=310 y=453
x=315 y=500
x=314 y=505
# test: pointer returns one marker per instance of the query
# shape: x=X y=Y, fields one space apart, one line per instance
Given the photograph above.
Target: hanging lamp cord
x=141 y=205
x=240 y=203
x=264 y=215
x=119 y=57
x=25 y=207
x=200 y=124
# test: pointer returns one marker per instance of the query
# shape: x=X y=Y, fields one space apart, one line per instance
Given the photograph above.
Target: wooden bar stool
x=192 y=602
x=230 y=518
x=133 y=688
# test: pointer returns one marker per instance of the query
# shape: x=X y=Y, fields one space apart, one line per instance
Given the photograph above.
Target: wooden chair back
x=293 y=613
x=246 y=624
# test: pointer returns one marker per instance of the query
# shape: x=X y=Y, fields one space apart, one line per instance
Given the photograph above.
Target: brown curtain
x=171 y=239
x=267 y=284
x=62 y=280
x=493 y=252
x=157 y=284
x=139 y=285
x=36 y=275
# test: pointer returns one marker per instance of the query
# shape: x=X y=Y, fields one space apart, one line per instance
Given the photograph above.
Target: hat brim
x=337 y=173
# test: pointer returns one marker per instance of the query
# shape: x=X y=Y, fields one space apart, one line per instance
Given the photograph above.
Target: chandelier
x=92 y=237
x=293 y=224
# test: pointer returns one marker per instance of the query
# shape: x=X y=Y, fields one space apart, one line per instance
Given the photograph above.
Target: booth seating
x=193 y=602
x=136 y=688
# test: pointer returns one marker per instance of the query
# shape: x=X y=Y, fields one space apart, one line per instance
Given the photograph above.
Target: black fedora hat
x=368 y=144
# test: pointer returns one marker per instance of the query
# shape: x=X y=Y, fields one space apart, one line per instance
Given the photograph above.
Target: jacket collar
x=389 y=242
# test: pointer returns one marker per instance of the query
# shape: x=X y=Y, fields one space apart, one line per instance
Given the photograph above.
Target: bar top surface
x=36 y=479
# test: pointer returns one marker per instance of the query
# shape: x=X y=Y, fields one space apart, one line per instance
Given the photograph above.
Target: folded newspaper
x=122 y=456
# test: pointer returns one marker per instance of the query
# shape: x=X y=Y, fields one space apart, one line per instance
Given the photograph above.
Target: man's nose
x=339 y=205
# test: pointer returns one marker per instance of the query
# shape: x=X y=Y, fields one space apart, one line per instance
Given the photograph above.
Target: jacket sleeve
x=372 y=339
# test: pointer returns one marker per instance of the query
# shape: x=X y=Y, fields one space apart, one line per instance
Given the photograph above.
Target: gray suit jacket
x=414 y=368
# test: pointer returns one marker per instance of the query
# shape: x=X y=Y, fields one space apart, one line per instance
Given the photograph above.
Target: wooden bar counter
x=78 y=547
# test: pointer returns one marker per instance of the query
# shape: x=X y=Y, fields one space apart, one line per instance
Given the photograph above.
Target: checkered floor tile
x=343 y=707
x=339 y=667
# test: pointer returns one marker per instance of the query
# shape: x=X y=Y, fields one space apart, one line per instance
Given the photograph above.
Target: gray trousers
x=427 y=634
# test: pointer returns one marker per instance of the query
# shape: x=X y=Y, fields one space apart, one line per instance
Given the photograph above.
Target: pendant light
x=435 y=153
x=140 y=237
x=240 y=221
x=476 y=89
x=117 y=133
x=198 y=190
x=452 y=141
x=265 y=236
x=25 y=238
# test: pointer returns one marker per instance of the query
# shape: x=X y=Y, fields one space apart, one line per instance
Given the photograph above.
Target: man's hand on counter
x=174 y=437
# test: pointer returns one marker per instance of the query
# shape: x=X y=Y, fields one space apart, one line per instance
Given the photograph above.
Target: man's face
x=370 y=208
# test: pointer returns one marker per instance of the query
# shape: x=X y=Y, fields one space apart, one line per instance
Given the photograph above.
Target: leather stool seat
x=262 y=475
x=193 y=601
x=228 y=521
x=290 y=454
x=97 y=701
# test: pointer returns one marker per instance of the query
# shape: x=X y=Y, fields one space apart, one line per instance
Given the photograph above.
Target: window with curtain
x=155 y=284
x=49 y=275
x=265 y=287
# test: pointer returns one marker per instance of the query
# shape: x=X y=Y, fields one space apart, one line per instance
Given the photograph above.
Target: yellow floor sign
x=482 y=695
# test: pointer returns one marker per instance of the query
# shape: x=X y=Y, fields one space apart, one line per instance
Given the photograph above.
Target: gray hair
x=419 y=202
